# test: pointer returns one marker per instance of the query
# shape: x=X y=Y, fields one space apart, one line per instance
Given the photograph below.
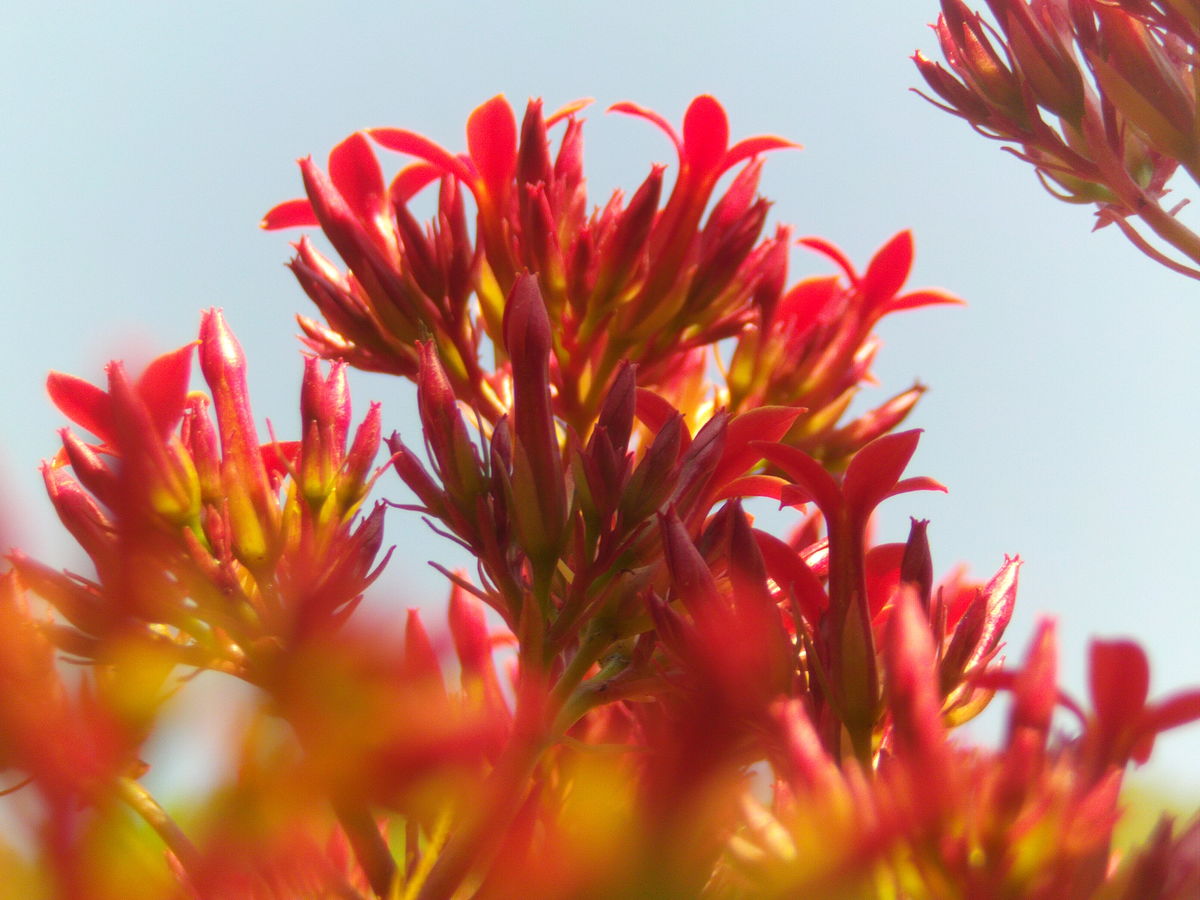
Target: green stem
x=140 y=801
x=595 y=641
x=479 y=836
x=370 y=849
x=481 y=833
x=585 y=696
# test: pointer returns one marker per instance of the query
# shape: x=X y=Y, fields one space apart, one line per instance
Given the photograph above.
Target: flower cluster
x=649 y=281
x=1099 y=96
x=638 y=692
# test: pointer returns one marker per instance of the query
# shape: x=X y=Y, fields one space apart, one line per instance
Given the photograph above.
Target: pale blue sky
x=142 y=143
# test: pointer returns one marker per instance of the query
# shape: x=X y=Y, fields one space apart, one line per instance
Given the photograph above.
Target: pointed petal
x=750 y=147
x=917 y=299
x=654 y=411
x=83 y=403
x=770 y=486
x=881 y=569
x=356 y=174
x=825 y=248
x=492 y=141
x=567 y=110
x=705 y=136
x=632 y=109
x=420 y=658
x=163 y=387
x=1178 y=709
x=413 y=144
x=767 y=423
x=795 y=578
x=888 y=270
x=807 y=473
x=876 y=469
x=296 y=213
x=1119 y=679
x=691 y=580
x=1035 y=687
x=411 y=179
x=917 y=483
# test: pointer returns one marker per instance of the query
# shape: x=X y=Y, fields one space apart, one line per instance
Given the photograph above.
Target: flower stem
x=370 y=849
x=479 y=836
x=140 y=801
x=481 y=832
x=1171 y=230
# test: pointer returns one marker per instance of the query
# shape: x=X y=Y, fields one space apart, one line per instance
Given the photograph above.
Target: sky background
x=143 y=142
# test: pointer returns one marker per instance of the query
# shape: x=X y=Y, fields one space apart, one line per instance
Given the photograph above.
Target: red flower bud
x=224 y=366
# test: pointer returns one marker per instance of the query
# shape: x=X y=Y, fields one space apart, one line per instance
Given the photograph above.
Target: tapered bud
x=912 y=696
x=961 y=100
x=533 y=157
x=628 y=241
x=691 y=579
x=654 y=477
x=1046 y=65
x=78 y=512
x=1035 y=690
x=224 y=366
x=698 y=464
x=620 y=403
x=250 y=541
x=89 y=468
x=1138 y=76
x=454 y=242
x=967 y=48
x=473 y=646
x=420 y=657
x=916 y=568
x=77 y=600
x=360 y=458
x=454 y=455
x=420 y=259
x=412 y=473
x=200 y=438
x=326 y=400
x=978 y=633
x=529 y=343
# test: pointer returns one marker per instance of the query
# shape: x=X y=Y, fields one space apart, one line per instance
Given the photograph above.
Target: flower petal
x=82 y=402
x=492 y=140
x=705 y=136
x=163 y=387
x=296 y=213
x=355 y=172
x=875 y=471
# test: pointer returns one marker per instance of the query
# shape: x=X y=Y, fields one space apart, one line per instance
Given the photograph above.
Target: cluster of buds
x=1099 y=96
x=204 y=539
x=653 y=282
x=654 y=697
